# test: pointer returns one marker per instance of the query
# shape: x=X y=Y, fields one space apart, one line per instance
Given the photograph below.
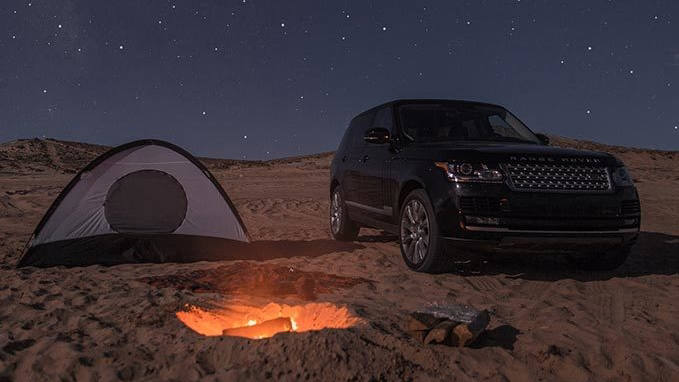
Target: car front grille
x=542 y=177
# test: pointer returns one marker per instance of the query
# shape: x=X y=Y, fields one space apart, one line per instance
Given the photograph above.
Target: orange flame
x=234 y=318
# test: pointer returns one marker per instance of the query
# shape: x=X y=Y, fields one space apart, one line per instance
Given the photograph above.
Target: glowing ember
x=256 y=323
x=265 y=329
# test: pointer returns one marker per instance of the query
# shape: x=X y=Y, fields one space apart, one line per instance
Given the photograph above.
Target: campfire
x=262 y=322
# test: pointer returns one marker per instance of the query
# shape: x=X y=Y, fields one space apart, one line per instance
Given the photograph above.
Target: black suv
x=452 y=177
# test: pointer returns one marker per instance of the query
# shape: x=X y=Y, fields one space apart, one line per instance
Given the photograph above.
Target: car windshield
x=462 y=122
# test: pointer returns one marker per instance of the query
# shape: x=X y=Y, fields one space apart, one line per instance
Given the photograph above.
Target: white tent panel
x=81 y=213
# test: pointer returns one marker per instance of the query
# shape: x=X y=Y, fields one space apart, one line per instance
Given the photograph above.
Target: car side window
x=384 y=118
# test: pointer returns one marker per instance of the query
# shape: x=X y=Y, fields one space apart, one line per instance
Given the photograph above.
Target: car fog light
x=482 y=220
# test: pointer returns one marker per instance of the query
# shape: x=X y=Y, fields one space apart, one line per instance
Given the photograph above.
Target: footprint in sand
x=17 y=346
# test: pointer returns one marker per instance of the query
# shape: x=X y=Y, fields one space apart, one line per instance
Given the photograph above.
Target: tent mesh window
x=146 y=201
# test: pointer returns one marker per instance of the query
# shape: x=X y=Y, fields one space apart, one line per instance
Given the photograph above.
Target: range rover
x=452 y=178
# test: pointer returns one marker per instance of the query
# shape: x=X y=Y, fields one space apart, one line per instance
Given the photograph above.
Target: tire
x=602 y=261
x=341 y=227
x=421 y=245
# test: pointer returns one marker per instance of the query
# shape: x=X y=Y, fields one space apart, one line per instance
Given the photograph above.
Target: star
x=588 y=111
x=589 y=48
x=384 y=28
x=245 y=137
x=44 y=91
x=282 y=25
x=121 y=47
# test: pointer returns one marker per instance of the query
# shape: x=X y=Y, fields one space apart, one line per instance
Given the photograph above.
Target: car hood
x=502 y=152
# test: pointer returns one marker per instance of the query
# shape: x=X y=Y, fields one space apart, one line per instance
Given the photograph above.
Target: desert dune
x=549 y=321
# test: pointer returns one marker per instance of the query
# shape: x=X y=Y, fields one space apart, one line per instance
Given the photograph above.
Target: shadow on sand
x=276 y=249
x=383 y=238
x=126 y=249
x=653 y=254
x=503 y=336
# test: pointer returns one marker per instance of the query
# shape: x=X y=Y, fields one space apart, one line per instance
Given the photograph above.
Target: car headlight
x=470 y=172
x=621 y=177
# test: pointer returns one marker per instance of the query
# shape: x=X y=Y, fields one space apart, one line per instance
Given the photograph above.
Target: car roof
x=424 y=100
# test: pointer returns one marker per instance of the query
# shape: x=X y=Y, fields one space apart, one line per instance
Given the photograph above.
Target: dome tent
x=144 y=201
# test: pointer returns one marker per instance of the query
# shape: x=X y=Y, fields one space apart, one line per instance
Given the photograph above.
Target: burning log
x=440 y=333
x=262 y=330
x=423 y=321
x=466 y=333
x=420 y=323
x=453 y=325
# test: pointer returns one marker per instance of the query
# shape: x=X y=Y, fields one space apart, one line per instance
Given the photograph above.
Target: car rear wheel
x=421 y=246
x=341 y=227
x=602 y=261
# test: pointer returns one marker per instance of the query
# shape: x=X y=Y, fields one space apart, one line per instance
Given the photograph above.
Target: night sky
x=262 y=79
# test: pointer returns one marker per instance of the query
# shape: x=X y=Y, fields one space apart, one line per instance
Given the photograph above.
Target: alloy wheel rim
x=335 y=212
x=415 y=231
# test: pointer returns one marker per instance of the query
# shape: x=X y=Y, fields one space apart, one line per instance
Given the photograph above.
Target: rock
x=126 y=374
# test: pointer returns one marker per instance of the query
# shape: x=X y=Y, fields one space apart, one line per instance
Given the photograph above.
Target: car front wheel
x=421 y=246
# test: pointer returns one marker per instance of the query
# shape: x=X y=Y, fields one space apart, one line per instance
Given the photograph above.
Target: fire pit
x=241 y=320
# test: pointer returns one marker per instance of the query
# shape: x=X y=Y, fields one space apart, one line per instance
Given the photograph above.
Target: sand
x=549 y=321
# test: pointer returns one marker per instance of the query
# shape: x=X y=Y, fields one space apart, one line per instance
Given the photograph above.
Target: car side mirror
x=377 y=135
x=543 y=139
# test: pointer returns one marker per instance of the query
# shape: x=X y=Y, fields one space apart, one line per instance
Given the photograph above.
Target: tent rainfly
x=144 y=201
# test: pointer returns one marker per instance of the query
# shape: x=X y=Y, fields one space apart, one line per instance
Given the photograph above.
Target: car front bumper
x=545 y=241
x=501 y=219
